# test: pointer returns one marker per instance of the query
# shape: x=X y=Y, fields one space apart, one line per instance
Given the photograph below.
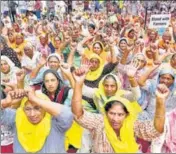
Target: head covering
x=103 y=54
x=168 y=71
x=128 y=141
x=60 y=85
x=28 y=45
x=93 y=75
x=32 y=137
x=54 y=55
x=100 y=93
x=10 y=63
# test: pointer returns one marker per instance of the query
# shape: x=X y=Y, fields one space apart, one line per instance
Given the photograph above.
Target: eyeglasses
x=35 y=109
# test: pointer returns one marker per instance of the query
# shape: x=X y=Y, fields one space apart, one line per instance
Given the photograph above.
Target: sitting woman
x=110 y=86
x=55 y=89
x=39 y=124
x=8 y=71
x=9 y=52
x=115 y=131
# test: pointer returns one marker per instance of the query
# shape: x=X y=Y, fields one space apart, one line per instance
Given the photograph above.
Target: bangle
x=159 y=116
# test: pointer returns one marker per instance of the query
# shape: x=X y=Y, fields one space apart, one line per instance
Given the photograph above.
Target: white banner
x=159 y=21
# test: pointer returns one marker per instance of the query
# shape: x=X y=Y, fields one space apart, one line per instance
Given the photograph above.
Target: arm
x=124 y=57
x=149 y=130
x=41 y=63
x=143 y=78
x=54 y=109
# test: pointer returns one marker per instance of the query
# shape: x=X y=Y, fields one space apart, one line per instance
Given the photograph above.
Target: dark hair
x=109 y=105
x=101 y=46
x=60 y=85
x=173 y=56
x=123 y=39
x=92 y=26
x=53 y=56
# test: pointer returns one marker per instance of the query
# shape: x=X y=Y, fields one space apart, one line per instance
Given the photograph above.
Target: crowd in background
x=82 y=58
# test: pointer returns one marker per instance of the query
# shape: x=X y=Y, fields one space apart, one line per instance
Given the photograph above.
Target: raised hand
x=65 y=68
x=85 y=63
x=162 y=91
x=79 y=75
x=132 y=68
x=20 y=74
x=42 y=61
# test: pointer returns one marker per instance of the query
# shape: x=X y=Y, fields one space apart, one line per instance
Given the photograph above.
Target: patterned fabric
x=12 y=55
x=95 y=124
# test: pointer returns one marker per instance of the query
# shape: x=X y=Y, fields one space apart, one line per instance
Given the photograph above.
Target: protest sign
x=159 y=21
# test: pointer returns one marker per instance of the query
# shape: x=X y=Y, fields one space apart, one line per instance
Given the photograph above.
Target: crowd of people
x=87 y=76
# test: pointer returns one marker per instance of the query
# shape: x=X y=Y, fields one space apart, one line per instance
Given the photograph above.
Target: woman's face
x=57 y=42
x=95 y=64
x=19 y=40
x=53 y=63
x=152 y=35
x=116 y=116
x=97 y=48
x=34 y=113
x=166 y=79
x=141 y=61
x=28 y=51
x=131 y=34
x=123 y=45
x=11 y=37
x=51 y=83
x=173 y=61
x=91 y=30
x=110 y=86
x=149 y=54
x=5 y=68
x=43 y=40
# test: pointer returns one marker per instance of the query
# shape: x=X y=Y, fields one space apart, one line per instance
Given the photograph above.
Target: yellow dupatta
x=100 y=93
x=32 y=137
x=127 y=142
x=103 y=55
x=94 y=75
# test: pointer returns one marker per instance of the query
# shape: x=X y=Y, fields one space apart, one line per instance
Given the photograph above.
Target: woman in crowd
x=8 y=71
x=115 y=130
x=9 y=52
x=39 y=124
x=166 y=77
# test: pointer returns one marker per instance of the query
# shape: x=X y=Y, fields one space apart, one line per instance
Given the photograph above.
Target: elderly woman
x=53 y=62
x=8 y=71
x=9 y=52
x=39 y=124
x=115 y=131
x=30 y=58
x=166 y=77
x=19 y=44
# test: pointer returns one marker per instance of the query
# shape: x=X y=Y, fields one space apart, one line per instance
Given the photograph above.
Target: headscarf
x=127 y=143
x=60 y=85
x=94 y=75
x=28 y=45
x=103 y=54
x=10 y=63
x=54 y=55
x=100 y=94
x=32 y=137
